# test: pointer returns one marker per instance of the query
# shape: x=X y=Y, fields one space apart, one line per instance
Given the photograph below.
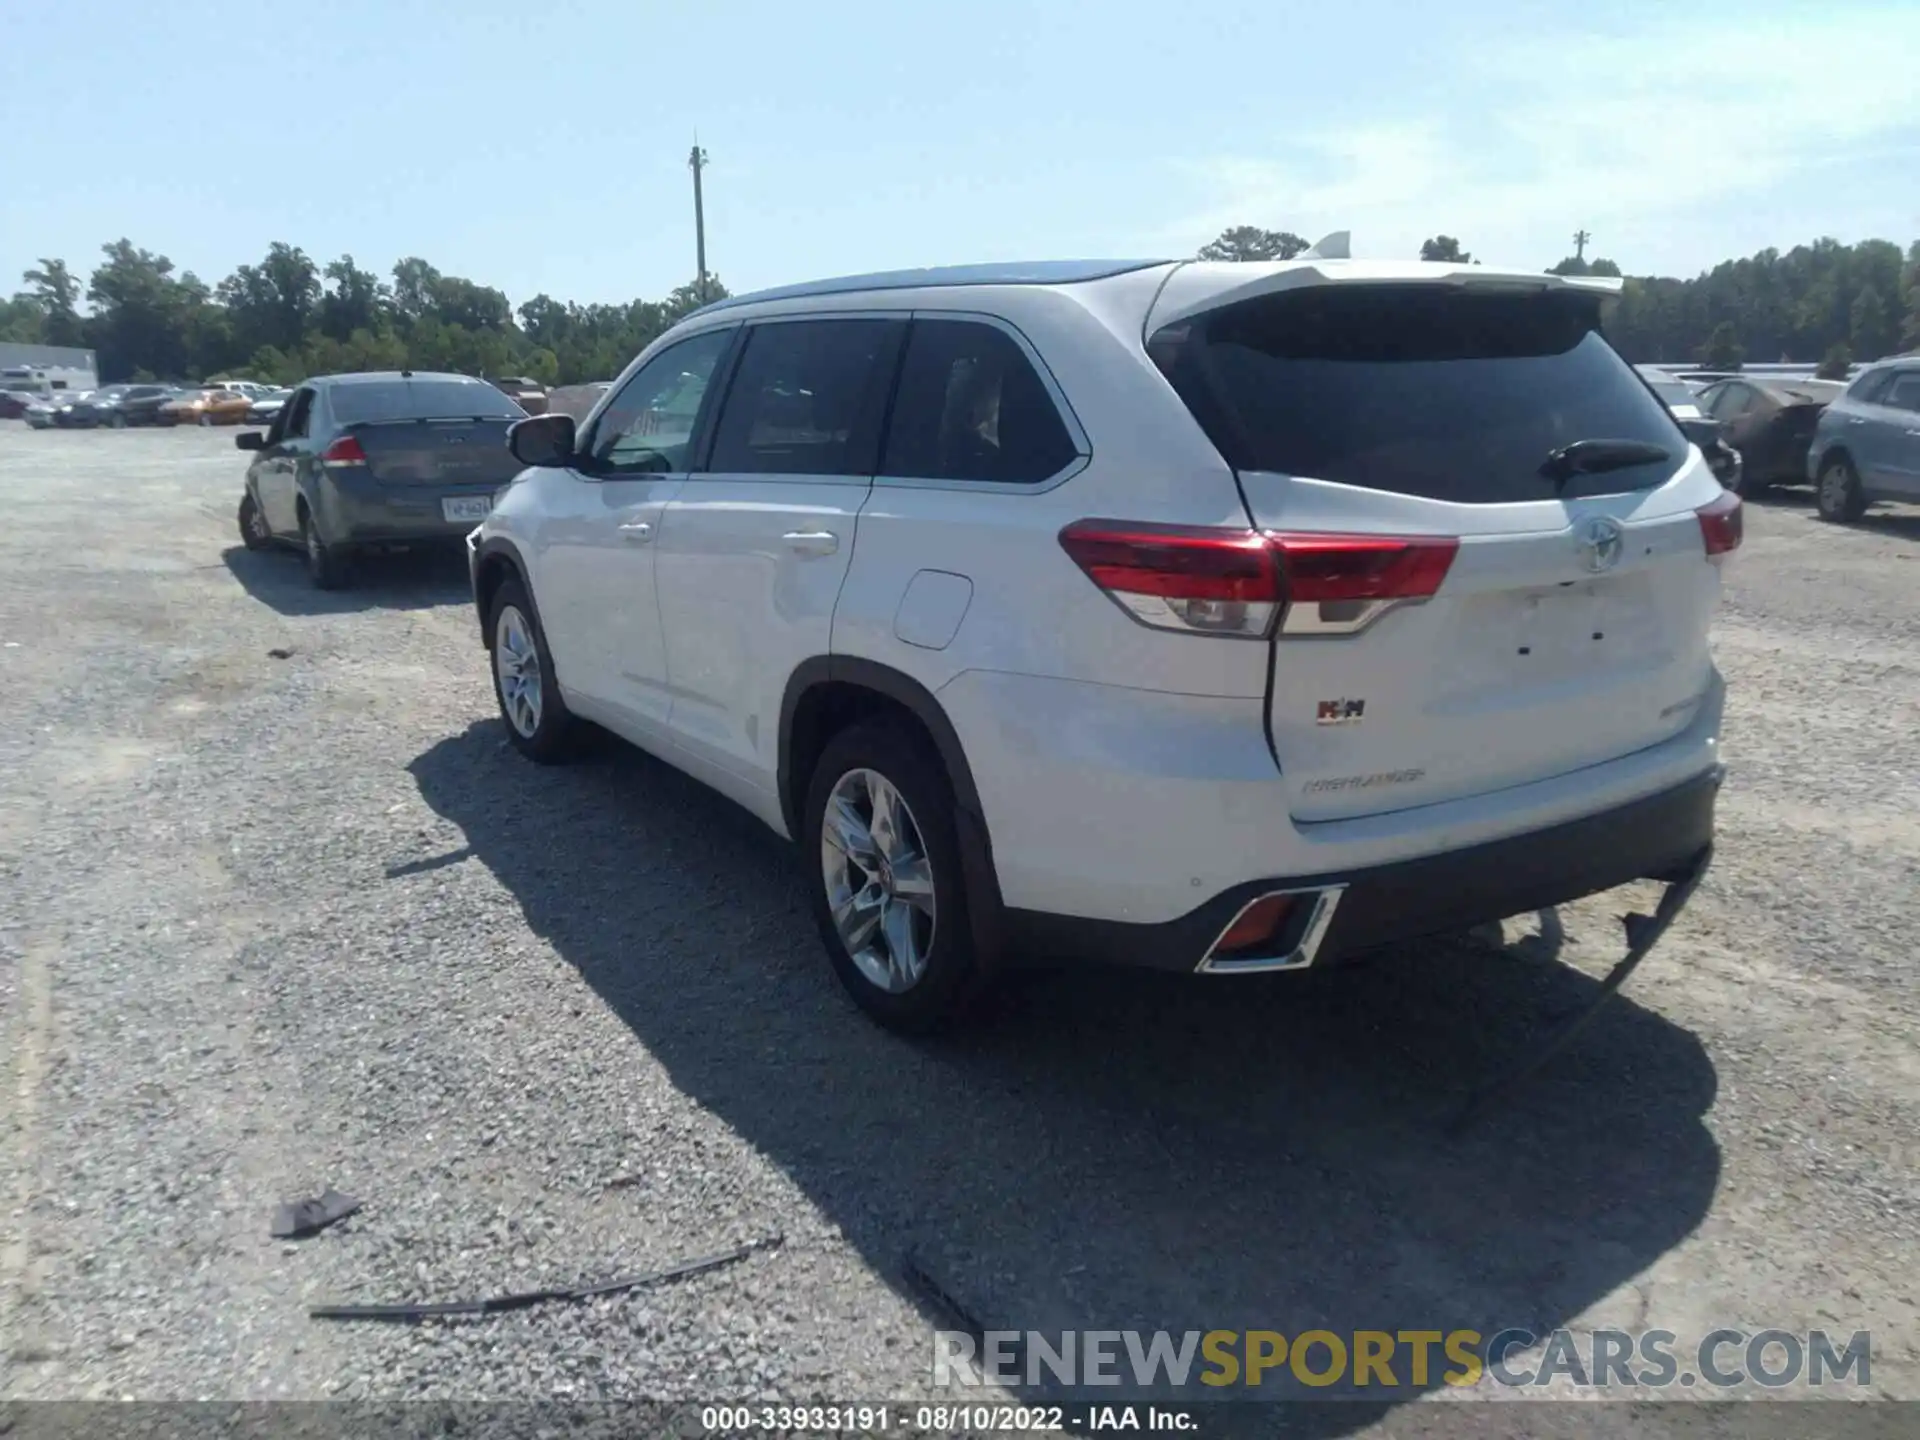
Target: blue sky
x=542 y=147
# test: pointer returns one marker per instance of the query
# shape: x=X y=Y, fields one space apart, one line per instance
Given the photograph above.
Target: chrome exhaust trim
x=1298 y=956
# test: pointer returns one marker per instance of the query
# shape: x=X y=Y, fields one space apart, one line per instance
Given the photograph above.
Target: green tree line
x=290 y=316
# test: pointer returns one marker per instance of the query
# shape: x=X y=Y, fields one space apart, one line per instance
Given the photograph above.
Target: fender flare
x=884 y=680
x=501 y=547
x=970 y=821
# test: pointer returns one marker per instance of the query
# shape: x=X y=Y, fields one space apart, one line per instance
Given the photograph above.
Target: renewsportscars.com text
x=1394 y=1359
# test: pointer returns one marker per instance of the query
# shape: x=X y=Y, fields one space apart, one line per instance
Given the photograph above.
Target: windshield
x=376 y=400
x=1445 y=394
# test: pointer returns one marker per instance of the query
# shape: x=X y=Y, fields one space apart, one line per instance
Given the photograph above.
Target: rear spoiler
x=1201 y=286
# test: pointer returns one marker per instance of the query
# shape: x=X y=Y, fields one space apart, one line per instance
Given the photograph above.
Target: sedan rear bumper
x=357 y=510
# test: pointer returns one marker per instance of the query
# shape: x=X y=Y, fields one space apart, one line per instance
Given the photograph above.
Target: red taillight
x=1721 y=524
x=1181 y=577
x=344 y=451
x=1364 y=567
x=1234 y=582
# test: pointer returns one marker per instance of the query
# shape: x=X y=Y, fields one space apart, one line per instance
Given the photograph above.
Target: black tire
x=1837 y=494
x=555 y=734
x=253 y=525
x=326 y=564
x=953 y=976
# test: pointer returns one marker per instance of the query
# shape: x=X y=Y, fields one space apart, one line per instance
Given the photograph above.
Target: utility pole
x=697 y=162
x=1580 y=238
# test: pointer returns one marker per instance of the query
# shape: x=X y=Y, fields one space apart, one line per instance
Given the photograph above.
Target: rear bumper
x=356 y=510
x=1658 y=837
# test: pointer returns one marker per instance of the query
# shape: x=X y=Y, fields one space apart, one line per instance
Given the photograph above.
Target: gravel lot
x=269 y=924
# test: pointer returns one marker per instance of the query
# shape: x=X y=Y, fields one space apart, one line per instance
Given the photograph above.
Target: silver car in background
x=1866 y=447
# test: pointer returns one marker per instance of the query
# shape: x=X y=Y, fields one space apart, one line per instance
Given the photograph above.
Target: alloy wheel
x=516 y=662
x=879 y=880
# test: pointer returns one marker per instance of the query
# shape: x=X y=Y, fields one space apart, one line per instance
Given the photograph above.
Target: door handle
x=636 y=532
x=812 y=542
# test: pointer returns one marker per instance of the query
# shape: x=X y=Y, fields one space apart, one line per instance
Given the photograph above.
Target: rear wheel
x=878 y=844
x=538 y=721
x=253 y=525
x=205 y=419
x=326 y=564
x=117 y=421
x=1838 y=495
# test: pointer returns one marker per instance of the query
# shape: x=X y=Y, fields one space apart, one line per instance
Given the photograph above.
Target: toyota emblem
x=1601 y=543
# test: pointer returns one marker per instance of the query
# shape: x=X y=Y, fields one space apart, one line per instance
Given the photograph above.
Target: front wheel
x=1838 y=495
x=879 y=846
x=117 y=421
x=538 y=721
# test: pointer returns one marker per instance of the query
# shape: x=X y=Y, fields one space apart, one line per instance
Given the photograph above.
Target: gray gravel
x=270 y=924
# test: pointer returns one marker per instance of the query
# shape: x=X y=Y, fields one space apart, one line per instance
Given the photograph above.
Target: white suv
x=1216 y=617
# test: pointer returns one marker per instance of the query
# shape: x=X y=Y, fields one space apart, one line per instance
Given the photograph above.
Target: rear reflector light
x=1254 y=926
x=1235 y=582
x=344 y=451
x=1721 y=524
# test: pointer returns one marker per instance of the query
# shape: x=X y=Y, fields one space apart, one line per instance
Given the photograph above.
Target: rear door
x=1464 y=614
x=756 y=545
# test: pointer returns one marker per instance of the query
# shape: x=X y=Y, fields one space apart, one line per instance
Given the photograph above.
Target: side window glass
x=1904 y=393
x=647 y=428
x=1871 y=388
x=805 y=399
x=1709 y=399
x=970 y=407
x=1735 y=401
x=298 y=411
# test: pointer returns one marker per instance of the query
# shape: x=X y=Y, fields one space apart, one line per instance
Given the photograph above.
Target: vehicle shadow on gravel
x=396 y=580
x=1121 y=1150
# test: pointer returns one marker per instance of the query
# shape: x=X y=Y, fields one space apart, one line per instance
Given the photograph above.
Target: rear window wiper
x=1596 y=457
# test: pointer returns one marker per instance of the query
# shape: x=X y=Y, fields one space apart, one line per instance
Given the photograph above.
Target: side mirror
x=249 y=440
x=543 y=440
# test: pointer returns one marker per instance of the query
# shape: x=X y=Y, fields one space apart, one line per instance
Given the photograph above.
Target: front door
x=1898 y=450
x=594 y=569
x=276 y=471
x=757 y=543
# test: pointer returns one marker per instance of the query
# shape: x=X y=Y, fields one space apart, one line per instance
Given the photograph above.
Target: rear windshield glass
x=373 y=400
x=1418 y=390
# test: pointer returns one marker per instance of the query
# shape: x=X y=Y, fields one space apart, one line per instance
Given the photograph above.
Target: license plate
x=466 y=507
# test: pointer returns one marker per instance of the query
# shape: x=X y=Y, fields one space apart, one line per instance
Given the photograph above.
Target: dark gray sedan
x=359 y=461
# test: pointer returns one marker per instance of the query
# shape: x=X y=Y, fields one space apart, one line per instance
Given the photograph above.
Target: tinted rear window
x=367 y=400
x=1444 y=394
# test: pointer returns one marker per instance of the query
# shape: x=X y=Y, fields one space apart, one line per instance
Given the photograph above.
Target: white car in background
x=1680 y=397
x=1214 y=617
